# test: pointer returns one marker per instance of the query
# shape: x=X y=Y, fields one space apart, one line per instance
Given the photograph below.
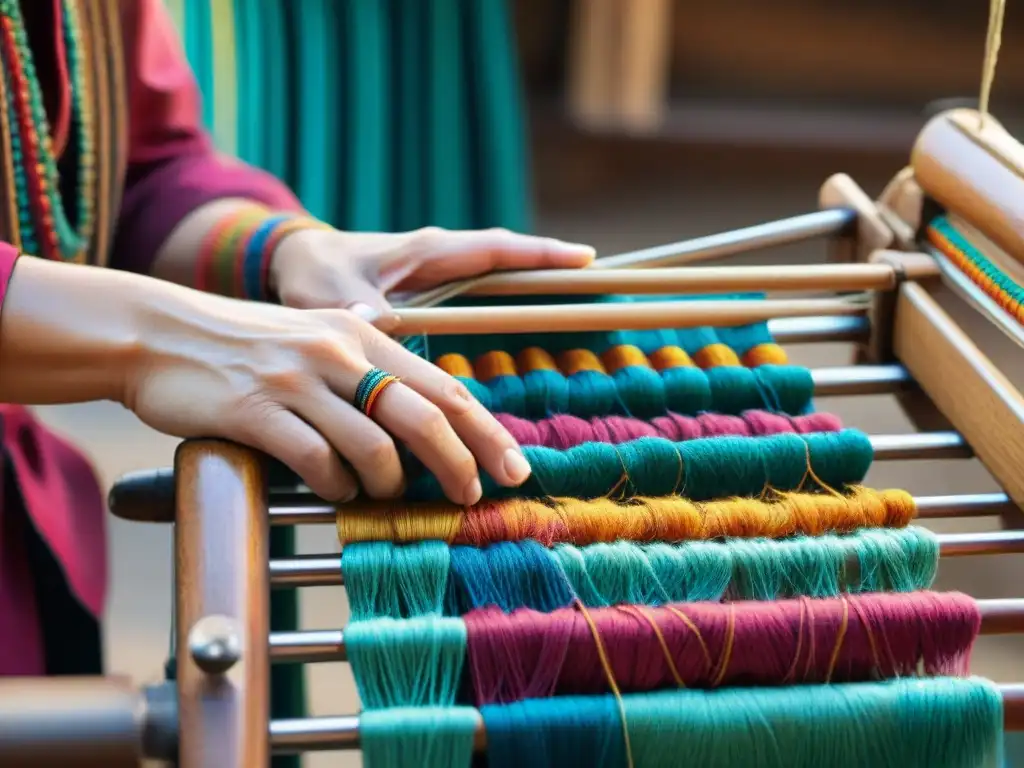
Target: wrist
x=238 y=254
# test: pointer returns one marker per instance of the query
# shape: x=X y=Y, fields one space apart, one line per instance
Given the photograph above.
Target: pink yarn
x=563 y=432
x=528 y=654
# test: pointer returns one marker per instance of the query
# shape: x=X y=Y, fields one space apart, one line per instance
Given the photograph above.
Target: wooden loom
x=216 y=714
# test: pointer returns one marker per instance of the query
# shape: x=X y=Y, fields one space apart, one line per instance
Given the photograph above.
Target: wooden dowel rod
x=325 y=571
x=998 y=617
x=304 y=511
x=562 y=318
x=825 y=223
x=683 y=280
x=320 y=734
x=223 y=606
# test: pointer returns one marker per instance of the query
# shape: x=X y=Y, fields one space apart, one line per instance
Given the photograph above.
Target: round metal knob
x=215 y=644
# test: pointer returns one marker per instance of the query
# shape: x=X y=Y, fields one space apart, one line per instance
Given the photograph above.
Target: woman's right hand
x=277 y=379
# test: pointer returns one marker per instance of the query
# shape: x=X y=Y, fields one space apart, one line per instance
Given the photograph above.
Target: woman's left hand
x=321 y=269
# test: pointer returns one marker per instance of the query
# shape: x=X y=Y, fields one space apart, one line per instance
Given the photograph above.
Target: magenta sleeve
x=8 y=258
x=173 y=168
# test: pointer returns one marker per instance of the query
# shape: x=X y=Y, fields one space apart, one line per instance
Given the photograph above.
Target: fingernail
x=473 y=492
x=364 y=311
x=516 y=466
x=348 y=495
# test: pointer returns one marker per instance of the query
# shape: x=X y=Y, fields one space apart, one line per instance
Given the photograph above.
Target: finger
x=360 y=441
x=367 y=302
x=302 y=449
x=491 y=444
x=453 y=255
x=425 y=429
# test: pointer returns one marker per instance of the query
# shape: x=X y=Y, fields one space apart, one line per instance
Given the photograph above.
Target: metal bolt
x=215 y=644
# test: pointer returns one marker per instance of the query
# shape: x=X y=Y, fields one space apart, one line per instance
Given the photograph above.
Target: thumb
x=369 y=304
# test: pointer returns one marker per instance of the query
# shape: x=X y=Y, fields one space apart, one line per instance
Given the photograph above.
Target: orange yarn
x=576 y=360
x=455 y=365
x=669 y=518
x=765 y=354
x=491 y=365
x=535 y=359
x=715 y=356
x=624 y=356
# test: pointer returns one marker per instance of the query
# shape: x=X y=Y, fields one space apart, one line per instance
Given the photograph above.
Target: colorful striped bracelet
x=235 y=256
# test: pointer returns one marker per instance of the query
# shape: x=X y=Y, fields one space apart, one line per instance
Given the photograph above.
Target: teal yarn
x=414 y=662
x=641 y=392
x=703 y=469
x=409 y=737
x=992 y=272
x=431 y=578
x=384 y=580
x=929 y=723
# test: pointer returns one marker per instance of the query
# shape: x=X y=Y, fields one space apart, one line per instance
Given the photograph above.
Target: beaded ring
x=370 y=387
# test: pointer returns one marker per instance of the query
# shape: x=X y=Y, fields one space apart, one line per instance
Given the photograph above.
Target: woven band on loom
x=978 y=268
x=431 y=577
x=509 y=657
x=624 y=381
x=669 y=519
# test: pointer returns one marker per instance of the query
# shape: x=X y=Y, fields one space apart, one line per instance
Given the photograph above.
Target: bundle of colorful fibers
x=432 y=578
x=564 y=431
x=528 y=654
x=663 y=518
x=702 y=469
x=979 y=269
x=932 y=723
x=624 y=381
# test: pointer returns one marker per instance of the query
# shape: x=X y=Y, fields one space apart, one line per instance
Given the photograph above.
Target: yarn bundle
x=693 y=575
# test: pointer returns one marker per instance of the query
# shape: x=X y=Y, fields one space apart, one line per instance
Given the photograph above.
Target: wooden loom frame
x=216 y=715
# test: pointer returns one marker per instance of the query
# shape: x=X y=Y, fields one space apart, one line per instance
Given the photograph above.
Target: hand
x=317 y=269
x=283 y=380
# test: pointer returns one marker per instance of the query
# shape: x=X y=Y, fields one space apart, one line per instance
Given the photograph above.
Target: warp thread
x=432 y=578
x=664 y=518
x=407 y=737
x=580 y=384
x=710 y=468
x=527 y=654
x=933 y=723
x=564 y=431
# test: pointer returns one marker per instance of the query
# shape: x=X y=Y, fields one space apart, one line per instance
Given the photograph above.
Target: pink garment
x=172 y=170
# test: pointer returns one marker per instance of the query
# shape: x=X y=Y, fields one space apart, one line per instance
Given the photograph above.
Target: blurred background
x=621 y=123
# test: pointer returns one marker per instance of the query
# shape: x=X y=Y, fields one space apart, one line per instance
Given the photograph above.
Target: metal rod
x=71 y=722
x=325 y=571
x=321 y=734
x=920 y=445
x=861 y=380
x=817 y=330
x=561 y=318
x=998 y=617
x=928 y=507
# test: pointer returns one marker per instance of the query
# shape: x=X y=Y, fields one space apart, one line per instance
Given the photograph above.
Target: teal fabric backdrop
x=382 y=115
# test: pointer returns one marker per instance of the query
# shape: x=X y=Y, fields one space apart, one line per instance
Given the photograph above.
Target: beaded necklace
x=42 y=217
